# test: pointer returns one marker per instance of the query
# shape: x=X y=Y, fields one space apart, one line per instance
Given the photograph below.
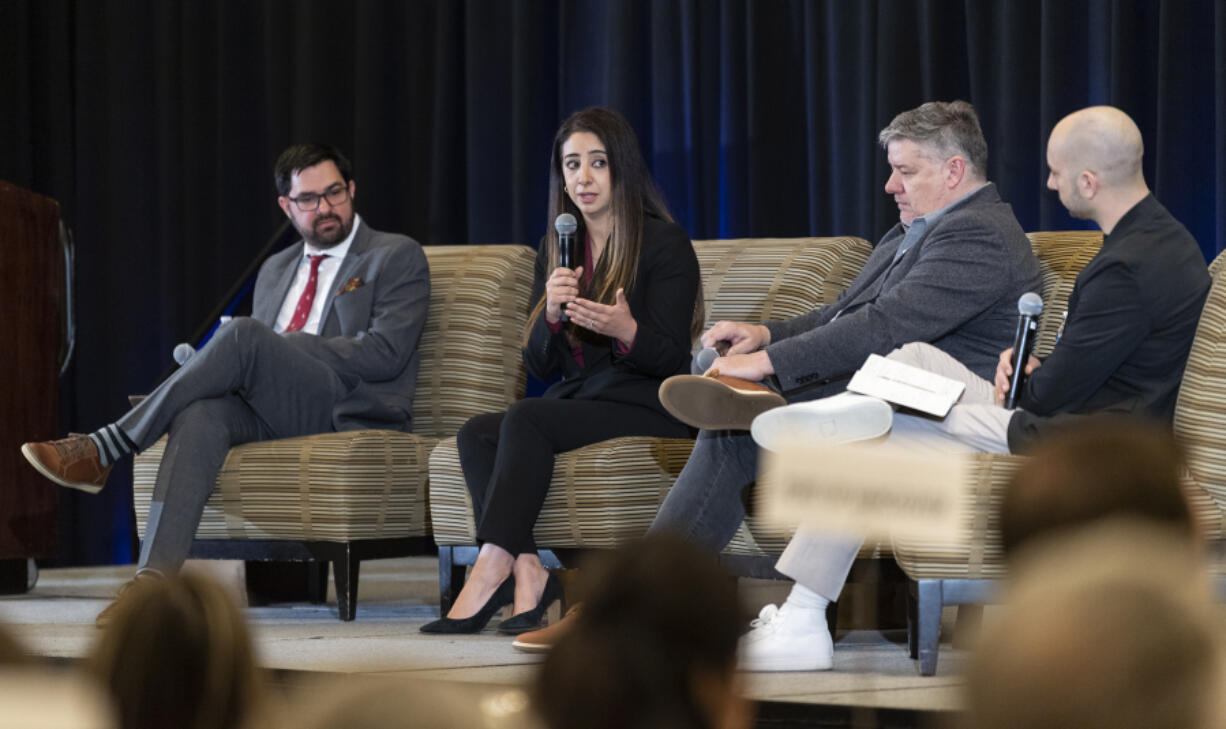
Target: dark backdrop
x=156 y=123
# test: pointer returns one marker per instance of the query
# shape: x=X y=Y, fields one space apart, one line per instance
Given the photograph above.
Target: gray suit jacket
x=370 y=333
x=957 y=288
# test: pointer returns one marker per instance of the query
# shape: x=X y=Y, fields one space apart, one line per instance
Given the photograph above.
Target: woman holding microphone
x=614 y=327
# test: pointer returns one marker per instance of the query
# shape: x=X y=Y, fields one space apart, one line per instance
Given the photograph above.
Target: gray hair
x=950 y=128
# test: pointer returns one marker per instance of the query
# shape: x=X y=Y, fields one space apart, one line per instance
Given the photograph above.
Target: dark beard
x=324 y=241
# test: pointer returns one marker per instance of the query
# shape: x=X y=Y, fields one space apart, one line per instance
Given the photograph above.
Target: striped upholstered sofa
x=606 y=493
x=344 y=497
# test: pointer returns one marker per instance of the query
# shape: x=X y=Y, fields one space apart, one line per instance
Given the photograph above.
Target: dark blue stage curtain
x=156 y=123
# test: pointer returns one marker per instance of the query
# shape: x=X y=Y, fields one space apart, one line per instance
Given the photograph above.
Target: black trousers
x=507 y=457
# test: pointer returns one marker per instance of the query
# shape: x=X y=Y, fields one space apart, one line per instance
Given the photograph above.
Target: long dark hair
x=634 y=195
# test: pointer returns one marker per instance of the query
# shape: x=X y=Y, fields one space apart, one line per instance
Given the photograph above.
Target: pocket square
x=351 y=285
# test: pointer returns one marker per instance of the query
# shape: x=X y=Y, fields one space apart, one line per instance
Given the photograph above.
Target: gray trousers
x=247 y=384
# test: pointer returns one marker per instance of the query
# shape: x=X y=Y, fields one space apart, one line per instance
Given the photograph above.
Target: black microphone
x=566 y=226
x=1029 y=306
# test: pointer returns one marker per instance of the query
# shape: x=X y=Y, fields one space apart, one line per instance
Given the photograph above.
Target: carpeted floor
x=55 y=619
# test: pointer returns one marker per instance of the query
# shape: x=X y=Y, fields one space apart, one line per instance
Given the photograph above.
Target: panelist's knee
x=241 y=332
x=912 y=353
x=479 y=431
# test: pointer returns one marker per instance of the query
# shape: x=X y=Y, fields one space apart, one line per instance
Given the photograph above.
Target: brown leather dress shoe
x=72 y=462
x=541 y=641
x=717 y=402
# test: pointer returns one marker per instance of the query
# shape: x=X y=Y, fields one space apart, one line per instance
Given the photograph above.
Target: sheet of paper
x=865 y=490
x=905 y=385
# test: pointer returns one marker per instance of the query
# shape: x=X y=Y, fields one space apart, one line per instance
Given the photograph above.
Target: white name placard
x=866 y=490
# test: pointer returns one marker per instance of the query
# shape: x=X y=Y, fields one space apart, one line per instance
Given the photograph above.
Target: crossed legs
x=795 y=637
x=247 y=384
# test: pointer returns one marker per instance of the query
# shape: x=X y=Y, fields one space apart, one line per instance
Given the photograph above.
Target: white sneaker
x=787 y=639
x=843 y=418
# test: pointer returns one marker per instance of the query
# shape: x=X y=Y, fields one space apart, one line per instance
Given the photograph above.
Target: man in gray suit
x=950 y=273
x=331 y=345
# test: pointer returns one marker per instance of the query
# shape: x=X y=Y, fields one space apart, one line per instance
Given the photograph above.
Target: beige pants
x=820 y=561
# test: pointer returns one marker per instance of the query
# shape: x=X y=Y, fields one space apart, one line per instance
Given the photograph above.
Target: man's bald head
x=1095 y=161
x=1102 y=140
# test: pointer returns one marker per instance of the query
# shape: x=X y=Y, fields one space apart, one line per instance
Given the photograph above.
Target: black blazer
x=662 y=301
x=1132 y=317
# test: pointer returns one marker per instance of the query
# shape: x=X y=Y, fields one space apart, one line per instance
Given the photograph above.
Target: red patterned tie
x=303 y=310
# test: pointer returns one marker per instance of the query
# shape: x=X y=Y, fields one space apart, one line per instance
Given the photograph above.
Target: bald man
x=1130 y=323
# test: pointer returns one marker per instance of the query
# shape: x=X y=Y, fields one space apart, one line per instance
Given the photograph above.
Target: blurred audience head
x=178 y=655
x=42 y=696
x=1106 y=467
x=12 y=653
x=654 y=645
x=377 y=703
x=1111 y=626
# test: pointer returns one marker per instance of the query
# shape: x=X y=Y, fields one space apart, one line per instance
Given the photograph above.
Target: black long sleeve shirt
x=1131 y=320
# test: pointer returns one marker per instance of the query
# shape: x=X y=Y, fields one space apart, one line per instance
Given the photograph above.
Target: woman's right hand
x=561 y=288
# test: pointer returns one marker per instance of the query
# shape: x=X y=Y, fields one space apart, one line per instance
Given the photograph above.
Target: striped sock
x=112 y=443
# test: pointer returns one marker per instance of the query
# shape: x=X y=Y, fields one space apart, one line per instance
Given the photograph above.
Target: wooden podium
x=34 y=302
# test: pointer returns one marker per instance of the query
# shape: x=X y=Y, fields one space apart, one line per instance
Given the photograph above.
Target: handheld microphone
x=707 y=355
x=183 y=352
x=566 y=226
x=1029 y=306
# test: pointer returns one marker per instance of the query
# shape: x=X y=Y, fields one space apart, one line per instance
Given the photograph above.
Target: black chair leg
x=317 y=582
x=346 y=569
x=446 y=591
x=912 y=626
x=450 y=578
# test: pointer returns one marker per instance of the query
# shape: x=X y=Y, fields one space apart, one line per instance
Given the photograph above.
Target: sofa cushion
x=600 y=495
x=337 y=487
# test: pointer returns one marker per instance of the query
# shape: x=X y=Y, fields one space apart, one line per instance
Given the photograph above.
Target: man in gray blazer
x=950 y=273
x=331 y=345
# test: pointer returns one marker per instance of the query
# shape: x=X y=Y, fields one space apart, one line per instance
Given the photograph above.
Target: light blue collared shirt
x=918 y=225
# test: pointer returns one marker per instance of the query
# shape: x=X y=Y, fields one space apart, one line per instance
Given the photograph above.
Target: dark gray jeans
x=705 y=506
x=707 y=503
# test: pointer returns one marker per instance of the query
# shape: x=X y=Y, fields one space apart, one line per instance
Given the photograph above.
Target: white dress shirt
x=323 y=285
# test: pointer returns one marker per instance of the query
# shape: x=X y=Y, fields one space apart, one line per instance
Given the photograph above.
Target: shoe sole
x=851 y=422
x=707 y=403
x=89 y=488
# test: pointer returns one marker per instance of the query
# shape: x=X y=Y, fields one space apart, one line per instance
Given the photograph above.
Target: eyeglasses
x=338 y=194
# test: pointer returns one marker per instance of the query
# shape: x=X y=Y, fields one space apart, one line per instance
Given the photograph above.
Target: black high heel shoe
x=531 y=619
x=503 y=596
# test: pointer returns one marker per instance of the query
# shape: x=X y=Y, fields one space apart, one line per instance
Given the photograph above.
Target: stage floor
x=872 y=669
